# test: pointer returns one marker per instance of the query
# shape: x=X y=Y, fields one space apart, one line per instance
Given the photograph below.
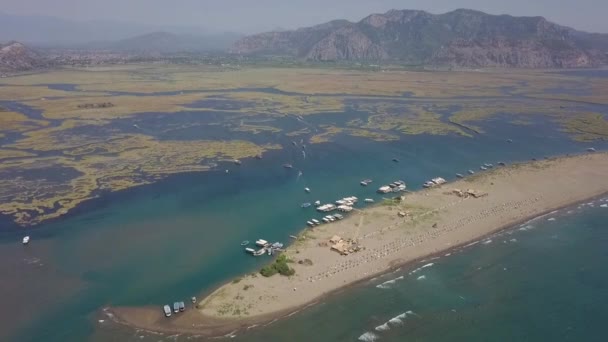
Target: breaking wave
x=368 y=337
x=383 y=327
x=387 y=284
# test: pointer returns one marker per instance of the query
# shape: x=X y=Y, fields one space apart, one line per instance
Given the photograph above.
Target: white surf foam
x=368 y=337
x=604 y=205
x=487 y=242
x=551 y=219
x=398 y=320
x=428 y=265
x=387 y=284
x=422 y=277
x=383 y=327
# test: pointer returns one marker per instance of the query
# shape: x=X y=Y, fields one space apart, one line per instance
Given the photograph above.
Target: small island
x=408 y=229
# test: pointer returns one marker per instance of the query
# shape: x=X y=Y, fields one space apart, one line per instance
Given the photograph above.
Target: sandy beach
x=390 y=234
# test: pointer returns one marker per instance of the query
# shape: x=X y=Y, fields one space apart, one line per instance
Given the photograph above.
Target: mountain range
x=463 y=37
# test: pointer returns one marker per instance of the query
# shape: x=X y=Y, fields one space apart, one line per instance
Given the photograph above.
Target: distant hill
x=165 y=42
x=462 y=37
x=15 y=56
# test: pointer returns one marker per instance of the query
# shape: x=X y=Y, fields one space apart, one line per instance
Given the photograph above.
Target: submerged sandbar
x=436 y=219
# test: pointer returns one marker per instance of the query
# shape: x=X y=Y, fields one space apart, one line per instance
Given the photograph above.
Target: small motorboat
x=310 y=223
x=182 y=306
x=471 y=172
x=193 y=300
x=459 y=175
x=307 y=190
x=26 y=240
x=368 y=200
x=317 y=203
x=591 y=149
x=366 y=182
x=245 y=243
x=176 y=307
x=288 y=166
x=237 y=162
x=395 y=160
x=227 y=171
x=305 y=205
x=167 y=310
x=483 y=168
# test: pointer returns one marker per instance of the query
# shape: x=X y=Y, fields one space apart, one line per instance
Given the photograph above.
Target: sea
x=544 y=280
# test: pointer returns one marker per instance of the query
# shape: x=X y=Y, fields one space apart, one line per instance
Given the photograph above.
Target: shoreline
x=199 y=323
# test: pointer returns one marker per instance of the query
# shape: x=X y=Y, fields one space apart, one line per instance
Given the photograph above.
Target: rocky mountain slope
x=459 y=38
x=15 y=56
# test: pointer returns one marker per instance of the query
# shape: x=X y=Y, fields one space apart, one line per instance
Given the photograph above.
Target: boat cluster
x=396 y=186
x=325 y=219
x=434 y=182
x=177 y=307
x=265 y=248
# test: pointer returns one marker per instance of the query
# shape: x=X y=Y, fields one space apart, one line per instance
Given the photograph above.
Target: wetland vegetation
x=114 y=128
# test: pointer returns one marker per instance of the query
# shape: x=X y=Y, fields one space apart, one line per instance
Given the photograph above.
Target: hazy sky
x=258 y=15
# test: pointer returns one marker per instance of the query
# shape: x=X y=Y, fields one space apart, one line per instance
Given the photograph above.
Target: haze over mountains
x=44 y=31
x=462 y=37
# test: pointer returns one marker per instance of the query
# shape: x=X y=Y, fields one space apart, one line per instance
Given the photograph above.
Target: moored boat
x=26 y=240
x=471 y=172
x=182 y=306
x=307 y=190
x=176 y=307
x=459 y=175
x=167 y=310
x=368 y=200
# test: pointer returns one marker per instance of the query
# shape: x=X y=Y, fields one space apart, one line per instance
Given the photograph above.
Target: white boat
x=384 y=189
x=307 y=189
x=182 y=306
x=483 y=168
x=176 y=307
x=325 y=219
x=317 y=203
x=261 y=242
x=315 y=221
x=26 y=240
x=459 y=175
x=471 y=172
x=167 y=310
x=310 y=223
x=369 y=200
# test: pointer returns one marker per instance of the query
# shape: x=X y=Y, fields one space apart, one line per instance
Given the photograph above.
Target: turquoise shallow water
x=167 y=241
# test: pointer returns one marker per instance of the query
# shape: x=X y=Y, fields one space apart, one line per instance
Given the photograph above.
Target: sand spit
x=437 y=220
